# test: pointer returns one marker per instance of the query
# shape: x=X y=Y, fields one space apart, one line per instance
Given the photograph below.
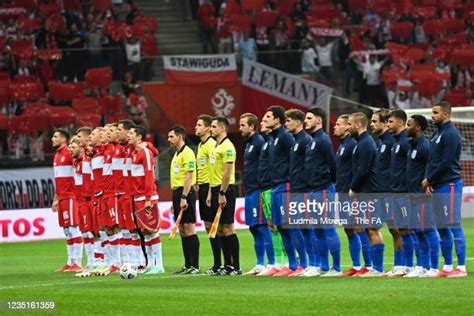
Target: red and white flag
x=318 y=31
x=200 y=69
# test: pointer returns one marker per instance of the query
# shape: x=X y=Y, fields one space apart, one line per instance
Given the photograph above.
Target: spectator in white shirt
x=374 y=94
x=325 y=51
x=132 y=50
x=308 y=59
x=443 y=68
x=464 y=78
x=402 y=101
x=422 y=101
x=36 y=145
x=420 y=35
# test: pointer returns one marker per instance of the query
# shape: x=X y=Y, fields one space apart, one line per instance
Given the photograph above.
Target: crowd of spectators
x=394 y=54
x=56 y=61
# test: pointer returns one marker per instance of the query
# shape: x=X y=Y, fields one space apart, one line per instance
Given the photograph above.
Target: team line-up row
x=107 y=199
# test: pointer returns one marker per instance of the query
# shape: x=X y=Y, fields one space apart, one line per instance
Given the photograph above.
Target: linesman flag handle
x=215 y=223
x=176 y=225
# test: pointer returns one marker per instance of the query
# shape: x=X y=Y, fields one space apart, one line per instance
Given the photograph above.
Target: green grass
x=26 y=273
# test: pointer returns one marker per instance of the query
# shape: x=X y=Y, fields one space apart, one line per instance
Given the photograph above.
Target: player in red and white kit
x=108 y=219
x=90 y=235
x=84 y=206
x=123 y=155
x=64 y=202
x=145 y=195
x=97 y=164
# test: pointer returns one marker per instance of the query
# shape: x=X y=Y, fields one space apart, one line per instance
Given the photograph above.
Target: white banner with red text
x=26 y=188
x=200 y=69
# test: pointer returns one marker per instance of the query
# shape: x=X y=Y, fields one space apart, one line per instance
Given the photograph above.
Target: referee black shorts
x=228 y=212
x=204 y=210
x=189 y=215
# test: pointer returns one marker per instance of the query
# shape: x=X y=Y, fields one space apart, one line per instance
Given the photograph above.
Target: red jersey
x=97 y=164
x=64 y=174
x=107 y=174
x=78 y=180
x=143 y=175
x=87 y=177
x=118 y=168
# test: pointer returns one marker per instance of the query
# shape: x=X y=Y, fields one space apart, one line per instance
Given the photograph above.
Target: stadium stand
x=426 y=46
x=56 y=61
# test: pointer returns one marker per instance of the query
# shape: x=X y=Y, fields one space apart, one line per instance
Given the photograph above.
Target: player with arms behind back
x=421 y=215
x=364 y=182
x=304 y=239
x=254 y=215
x=398 y=165
x=93 y=250
x=320 y=169
x=379 y=127
x=343 y=181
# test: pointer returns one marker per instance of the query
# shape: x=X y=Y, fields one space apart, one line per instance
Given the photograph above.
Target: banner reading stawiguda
x=285 y=86
x=26 y=188
x=199 y=69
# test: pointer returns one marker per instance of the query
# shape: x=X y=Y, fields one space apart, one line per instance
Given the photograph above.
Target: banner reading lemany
x=200 y=69
x=303 y=92
x=264 y=86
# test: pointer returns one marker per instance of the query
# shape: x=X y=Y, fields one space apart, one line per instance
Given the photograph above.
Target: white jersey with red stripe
x=118 y=168
x=127 y=172
x=64 y=174
x=107 y=173
x=143 y=175
x=97 y=165
x=87 y=188
x=78 y=179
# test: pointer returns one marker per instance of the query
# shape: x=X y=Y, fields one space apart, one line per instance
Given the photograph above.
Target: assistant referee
x=182 y=179
x=205 y=147
x=222 y=194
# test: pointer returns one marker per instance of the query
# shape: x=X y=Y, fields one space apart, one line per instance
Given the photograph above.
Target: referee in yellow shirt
x=222 y=193
x=182 y=179
x=205 y=147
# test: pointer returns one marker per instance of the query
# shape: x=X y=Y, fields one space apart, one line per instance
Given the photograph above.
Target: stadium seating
x=39 y=99
x=444 y=23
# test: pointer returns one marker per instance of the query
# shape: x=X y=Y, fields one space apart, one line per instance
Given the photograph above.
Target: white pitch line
x=96 y=279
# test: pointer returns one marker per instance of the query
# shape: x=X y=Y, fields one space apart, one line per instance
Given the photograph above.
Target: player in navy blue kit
x=443 y=180
x=343 y=182
x=420 y=213
x=279 y=154
x=304 y=245
x=254 y=216
x=383 y=176
x=364 y=182
x=320 y=174
x=397 y=124
x=265 y=184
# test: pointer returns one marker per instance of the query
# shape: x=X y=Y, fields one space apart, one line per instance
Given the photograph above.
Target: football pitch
x=26 y=274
